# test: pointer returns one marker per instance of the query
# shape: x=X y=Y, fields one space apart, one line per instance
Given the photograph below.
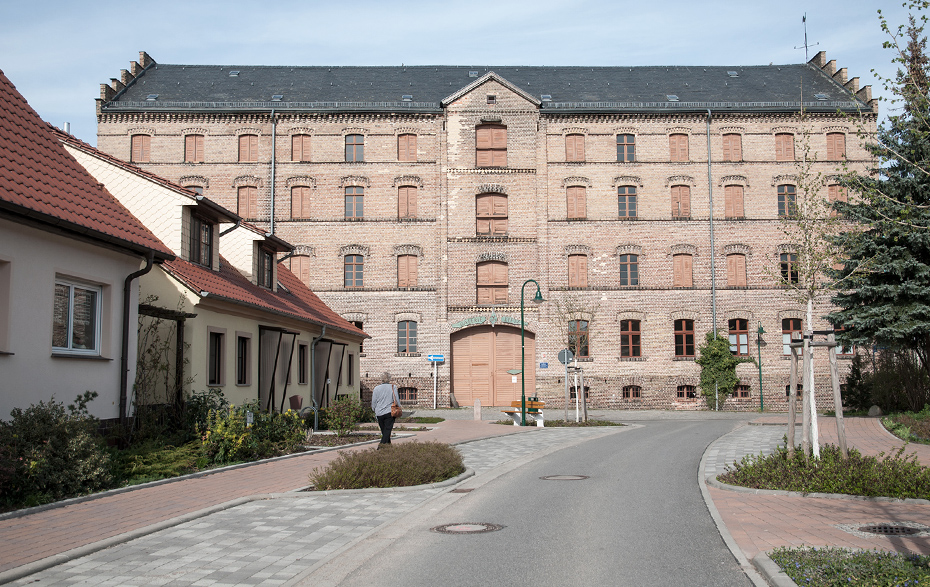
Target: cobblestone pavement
x=272 y=541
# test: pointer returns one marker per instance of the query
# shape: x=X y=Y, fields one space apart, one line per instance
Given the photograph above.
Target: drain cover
x=467 y=528
x=890 y=530
x=564 y=477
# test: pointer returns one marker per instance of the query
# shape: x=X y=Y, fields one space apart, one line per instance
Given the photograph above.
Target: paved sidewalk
x=276 y=541
x=31 y=538
x=761 y=522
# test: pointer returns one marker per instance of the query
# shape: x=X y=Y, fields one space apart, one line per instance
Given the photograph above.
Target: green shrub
x=886 y=476
x=910 y=426
x=827 y=567
x=892 y=380
x=395 y=465
x=230 y=439
x=51 y=453
x=343 y=416
x=197 y=410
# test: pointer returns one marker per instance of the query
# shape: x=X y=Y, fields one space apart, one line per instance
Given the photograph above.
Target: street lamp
x=536 y=299
x=759 y=343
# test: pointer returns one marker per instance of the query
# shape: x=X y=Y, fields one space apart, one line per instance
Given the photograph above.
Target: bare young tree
x=575 y=316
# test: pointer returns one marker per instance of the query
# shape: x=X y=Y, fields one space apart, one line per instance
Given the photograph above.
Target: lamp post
x=759 y=343
x=536 y=299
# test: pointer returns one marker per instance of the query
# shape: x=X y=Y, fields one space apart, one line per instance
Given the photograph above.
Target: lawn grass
x=829 y=567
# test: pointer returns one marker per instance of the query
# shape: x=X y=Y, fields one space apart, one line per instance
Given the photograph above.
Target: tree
x=718 y=369
x=575 y=317
x=886 y=299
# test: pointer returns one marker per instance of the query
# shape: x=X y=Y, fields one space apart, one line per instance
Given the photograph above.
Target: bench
x=534 y=412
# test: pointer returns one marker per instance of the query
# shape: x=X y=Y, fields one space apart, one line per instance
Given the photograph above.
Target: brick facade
x=542 y=227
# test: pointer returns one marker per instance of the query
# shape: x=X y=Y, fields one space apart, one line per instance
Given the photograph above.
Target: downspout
x=713 y=253
x=316 y=412
x=232 y=228
x=124 y=349
x=274 y=141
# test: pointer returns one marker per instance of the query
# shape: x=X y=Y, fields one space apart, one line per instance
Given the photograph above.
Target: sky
x=58 y=52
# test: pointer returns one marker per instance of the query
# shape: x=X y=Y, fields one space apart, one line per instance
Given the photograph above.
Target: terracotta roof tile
x=40 y=179
x=294 y=300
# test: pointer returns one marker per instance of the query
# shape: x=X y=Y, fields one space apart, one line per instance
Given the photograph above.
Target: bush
x=51 y=453
x=910 y=426
x=343 y=415
x=891 y=476
x=400 y=465
x=894 y=381
x=197 y=410
x=230 y=439
x=826 y=567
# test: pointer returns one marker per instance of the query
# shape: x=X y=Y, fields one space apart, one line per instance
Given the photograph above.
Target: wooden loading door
x=481 y=357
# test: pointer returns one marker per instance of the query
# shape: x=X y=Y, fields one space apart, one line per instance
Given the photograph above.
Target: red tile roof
x=294 y=300
x=41 y=180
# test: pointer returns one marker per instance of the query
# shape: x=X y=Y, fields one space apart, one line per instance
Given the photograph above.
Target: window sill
x=243 y=385
x=584 y=359
x=630 y=359
x=684 y=359
x=407 y=354
x=363 y=354
x=80 y=357
x=6 y=353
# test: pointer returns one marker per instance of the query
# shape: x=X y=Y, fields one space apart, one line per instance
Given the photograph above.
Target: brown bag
x=396 y=410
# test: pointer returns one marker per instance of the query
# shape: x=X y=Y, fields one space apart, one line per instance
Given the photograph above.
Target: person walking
x=383 y=398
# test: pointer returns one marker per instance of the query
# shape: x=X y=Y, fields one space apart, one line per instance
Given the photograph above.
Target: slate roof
x=572 y=89
x=294 y=300
x=41 y=181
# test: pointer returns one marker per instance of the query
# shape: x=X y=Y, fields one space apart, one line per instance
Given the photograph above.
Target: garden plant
x=397 y=465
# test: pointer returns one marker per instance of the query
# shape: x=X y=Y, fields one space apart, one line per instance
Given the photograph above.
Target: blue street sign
x=544 y=365
x=435 y=358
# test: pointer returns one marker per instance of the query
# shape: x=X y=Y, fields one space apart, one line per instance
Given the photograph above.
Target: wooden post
x=837 y=397
x=792 y=400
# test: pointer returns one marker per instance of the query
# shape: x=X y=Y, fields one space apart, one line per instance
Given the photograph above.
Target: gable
x=506 y=95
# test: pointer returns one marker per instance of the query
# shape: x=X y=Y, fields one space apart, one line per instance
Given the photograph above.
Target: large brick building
x=423 y=198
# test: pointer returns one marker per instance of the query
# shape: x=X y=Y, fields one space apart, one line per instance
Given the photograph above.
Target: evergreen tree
x=886 y=277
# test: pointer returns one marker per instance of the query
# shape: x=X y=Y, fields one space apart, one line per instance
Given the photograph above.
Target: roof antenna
x=805 y=46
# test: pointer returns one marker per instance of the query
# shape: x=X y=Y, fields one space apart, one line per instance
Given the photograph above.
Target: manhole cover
x=890 y=530
x=467 y=528
x=564 y=477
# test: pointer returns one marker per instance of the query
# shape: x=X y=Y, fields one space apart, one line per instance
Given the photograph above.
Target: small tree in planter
x=718 y=370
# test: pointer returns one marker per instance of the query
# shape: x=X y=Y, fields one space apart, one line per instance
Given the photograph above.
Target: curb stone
x=772 y=572
x=712 y=481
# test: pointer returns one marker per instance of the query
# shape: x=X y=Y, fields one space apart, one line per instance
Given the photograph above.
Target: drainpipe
x=316 y=413
x=124 y=350
x=232 y=228
x=274 y=141
x=713 y=254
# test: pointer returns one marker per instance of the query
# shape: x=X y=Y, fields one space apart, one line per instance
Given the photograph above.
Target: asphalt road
x=638 y=519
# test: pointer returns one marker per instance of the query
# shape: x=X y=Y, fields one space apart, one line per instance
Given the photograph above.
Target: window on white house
x=76 y=318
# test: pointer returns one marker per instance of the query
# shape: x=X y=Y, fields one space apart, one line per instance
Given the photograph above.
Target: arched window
x=787 y=200
x=248 y=148
x=141 y=149
x=684 y=338
x=732 y=147
x=300 y=202
x=629 y=269
x=491 y=145
x=406 y=336
x=491 y=283
x=354 y=271
x=578 y=338
x=300 y=148
x=630 y=338
x=681 y=201
x=733 y=201
x=574 y=147
x=736 y=270
x=575 y=202
x=682 y=273
x=784 y=147
x=407 y=147
x=577 y=271
x=406 y=202
x=491 y=215
x=355 y=148
x=739 y=336
x=193 y=149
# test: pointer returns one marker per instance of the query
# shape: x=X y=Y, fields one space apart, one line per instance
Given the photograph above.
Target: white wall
x=31 y=259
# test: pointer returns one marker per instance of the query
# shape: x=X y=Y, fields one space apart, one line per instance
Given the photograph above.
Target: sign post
x=435 y=360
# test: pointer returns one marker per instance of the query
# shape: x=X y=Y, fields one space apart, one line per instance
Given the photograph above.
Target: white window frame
x=98 y=314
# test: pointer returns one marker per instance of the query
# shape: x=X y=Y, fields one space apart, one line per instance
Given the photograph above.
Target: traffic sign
x=436 y=358
x=565 y=356
x=544 y=365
